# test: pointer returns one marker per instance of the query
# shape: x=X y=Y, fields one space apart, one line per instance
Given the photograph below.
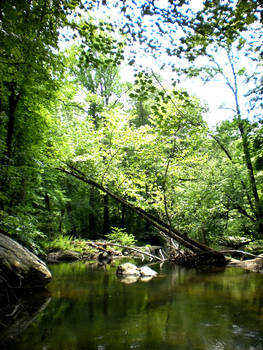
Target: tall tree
x=99 y=83
x=225 y=63
x=31 y=72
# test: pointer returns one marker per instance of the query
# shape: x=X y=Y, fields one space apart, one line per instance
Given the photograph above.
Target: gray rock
x=19 y=268
x=63 y=255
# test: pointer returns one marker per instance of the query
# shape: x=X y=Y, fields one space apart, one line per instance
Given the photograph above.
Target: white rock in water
x=128 y=269
x=146 y=271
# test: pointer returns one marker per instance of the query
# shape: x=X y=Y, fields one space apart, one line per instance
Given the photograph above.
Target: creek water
x=88 y=307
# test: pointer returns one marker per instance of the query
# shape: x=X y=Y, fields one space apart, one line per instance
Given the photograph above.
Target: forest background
x=65 y=103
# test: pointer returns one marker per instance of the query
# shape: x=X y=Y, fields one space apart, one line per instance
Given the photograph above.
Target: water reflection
x=179 y=309
x=25 y=310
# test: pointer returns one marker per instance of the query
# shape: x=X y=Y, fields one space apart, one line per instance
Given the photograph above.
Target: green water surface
x=90 y=308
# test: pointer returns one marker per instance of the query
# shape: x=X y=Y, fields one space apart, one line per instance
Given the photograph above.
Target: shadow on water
x=184 y=309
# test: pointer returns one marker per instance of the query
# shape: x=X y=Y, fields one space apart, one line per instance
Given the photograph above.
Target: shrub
x=118 y=235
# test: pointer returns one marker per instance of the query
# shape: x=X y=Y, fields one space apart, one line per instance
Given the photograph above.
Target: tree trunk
x=92 y=221
x=62 y=211
x=123 y=215
x=13 y=100
x=258 y=205
x=246 y=150
x=106 y=216
x=12 y=106
x=73 y=229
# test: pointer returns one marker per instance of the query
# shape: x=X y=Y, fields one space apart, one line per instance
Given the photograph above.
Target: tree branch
x=240 y=209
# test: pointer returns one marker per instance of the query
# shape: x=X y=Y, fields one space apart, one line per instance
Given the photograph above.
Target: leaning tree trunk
x=169 y=231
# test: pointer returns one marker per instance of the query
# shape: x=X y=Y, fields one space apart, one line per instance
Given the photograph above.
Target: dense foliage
x=64 y=103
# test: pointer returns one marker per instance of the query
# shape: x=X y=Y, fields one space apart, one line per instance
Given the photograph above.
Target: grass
x=64 y=242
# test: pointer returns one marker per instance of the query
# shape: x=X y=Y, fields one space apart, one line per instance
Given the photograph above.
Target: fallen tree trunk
x=254 y=265
x=155 y=221
x=169 y=231
x=237 y=251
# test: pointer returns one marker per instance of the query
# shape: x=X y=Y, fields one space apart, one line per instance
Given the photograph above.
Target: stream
x=88 y=307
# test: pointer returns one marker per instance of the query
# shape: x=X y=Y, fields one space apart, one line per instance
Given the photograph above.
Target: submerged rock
x=19 y=267
x=129 y=279
x=146 y=278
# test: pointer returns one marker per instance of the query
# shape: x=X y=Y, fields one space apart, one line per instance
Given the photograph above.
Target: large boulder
x=19 y=268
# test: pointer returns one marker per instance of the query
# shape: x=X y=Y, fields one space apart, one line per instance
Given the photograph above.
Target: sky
x=214 y=93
